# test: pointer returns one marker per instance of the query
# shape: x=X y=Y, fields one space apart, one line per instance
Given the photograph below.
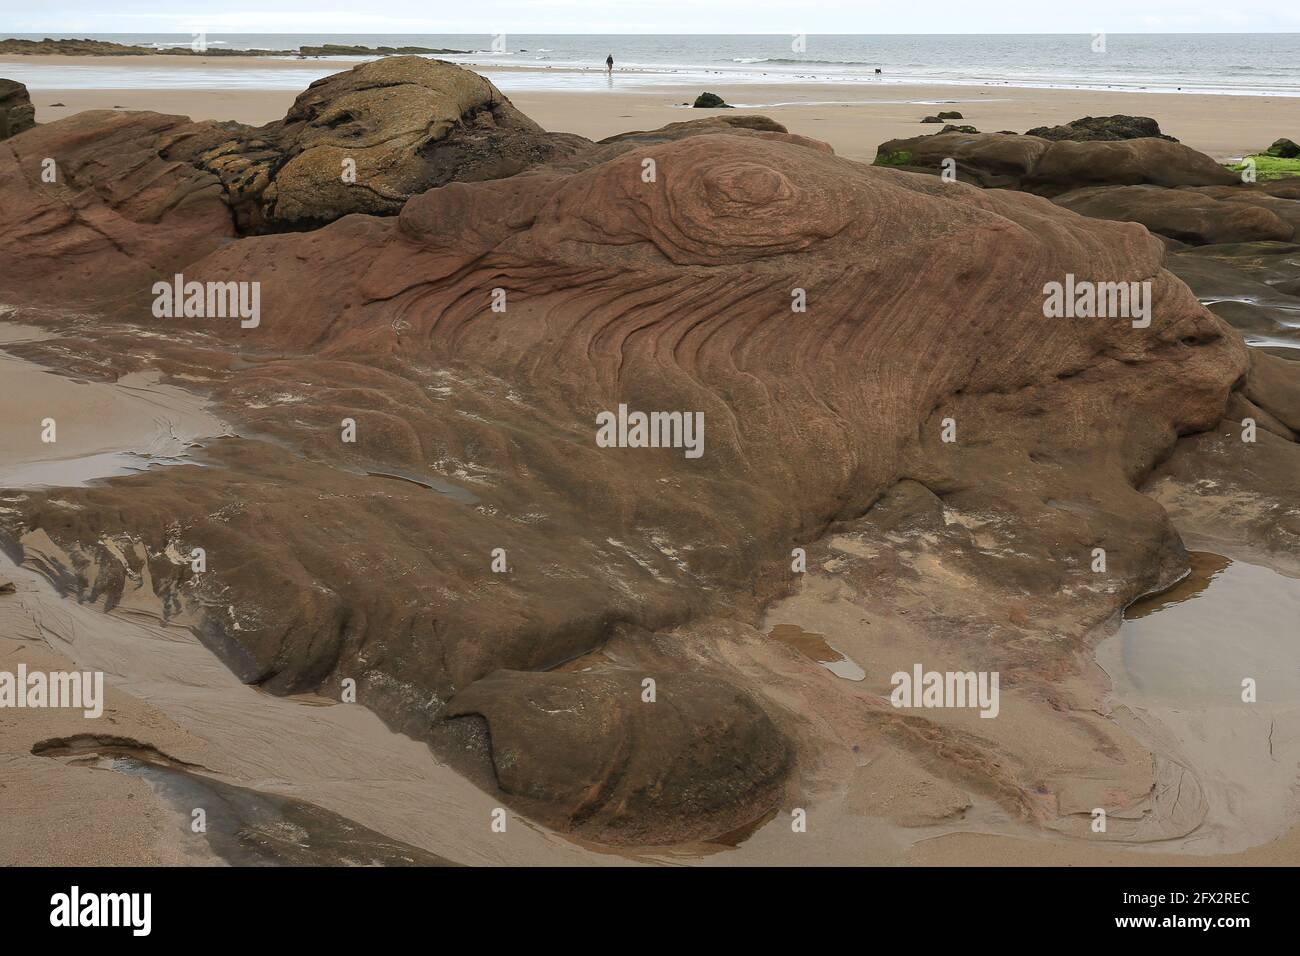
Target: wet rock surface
x=461 y=599
x=1195 y=216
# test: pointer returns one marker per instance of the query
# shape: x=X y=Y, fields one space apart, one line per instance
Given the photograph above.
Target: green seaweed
x=899 y=157
x=1269 y=167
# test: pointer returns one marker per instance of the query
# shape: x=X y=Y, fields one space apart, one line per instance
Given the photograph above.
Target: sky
x=489 y=17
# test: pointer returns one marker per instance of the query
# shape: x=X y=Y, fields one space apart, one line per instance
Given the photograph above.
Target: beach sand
x=854 y=119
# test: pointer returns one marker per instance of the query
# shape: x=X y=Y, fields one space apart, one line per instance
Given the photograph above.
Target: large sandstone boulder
x=925 y=302
x=1048 y=168
x=368 y=139
x=1193 y=216
x=1102 y=129
x=16 y=110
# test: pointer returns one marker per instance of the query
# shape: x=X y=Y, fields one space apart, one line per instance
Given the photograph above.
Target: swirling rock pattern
x=659 y=272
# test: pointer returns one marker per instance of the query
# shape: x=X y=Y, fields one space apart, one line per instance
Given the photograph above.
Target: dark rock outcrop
x=1102 y=129
x=68 y=46
x=1283 y=149
x=710 y=101
x=16 y=110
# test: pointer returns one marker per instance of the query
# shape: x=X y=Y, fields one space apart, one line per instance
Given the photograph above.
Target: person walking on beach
x=609 y=63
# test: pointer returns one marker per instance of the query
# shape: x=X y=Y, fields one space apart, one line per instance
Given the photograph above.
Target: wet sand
x=98 y=429
x=854 y=118
x=1178 y=666
x=170 y=692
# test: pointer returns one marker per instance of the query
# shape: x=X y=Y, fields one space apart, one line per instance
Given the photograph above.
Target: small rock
x=710 y=101
x=1283 y=149
x=932 y=119
x=7 y=587
x=950 y=114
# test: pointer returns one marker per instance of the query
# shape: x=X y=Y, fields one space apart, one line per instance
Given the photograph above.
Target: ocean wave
x=797 y=62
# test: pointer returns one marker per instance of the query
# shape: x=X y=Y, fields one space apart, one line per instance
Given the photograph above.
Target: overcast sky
x=646 y=16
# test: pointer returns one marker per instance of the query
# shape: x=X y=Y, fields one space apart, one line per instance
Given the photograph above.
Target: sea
x=1220 y=63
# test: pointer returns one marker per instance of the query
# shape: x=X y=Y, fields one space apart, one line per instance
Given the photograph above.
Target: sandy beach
x=854 y=119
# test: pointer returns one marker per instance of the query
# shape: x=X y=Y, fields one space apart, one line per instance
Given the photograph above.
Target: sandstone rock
x=1130 y=162
x=153 y=193
x=926 y=301
x=1191 y=216
x=1254 y=286
x=398 y=126
x=1102 y=128
x=585 y=751
x=118 y=215
x=1283 y=203
x=707 y=124
x=16 y=110
x=1047 y=168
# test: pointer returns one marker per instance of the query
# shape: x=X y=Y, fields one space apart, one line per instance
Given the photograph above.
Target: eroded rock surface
x=1195 y=216
x=500 y=585
x=16 y=110
x=1050 y=167
x=369 y=139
